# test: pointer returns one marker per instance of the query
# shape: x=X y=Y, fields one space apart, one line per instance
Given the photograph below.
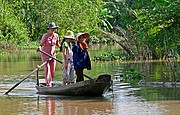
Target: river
x=125 y=99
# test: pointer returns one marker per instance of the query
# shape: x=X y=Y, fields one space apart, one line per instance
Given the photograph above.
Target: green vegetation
x=150 y=28
x=132 y=76
x=106 y=57
x=24 y=21
x=145 y=29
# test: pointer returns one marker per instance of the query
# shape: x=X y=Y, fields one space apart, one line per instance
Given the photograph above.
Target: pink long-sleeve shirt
x=48 y=44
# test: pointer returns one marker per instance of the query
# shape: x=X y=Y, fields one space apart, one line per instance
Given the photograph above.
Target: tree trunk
x=122 y=42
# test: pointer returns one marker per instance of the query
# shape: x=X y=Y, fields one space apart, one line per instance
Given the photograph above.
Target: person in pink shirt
x=47 y=44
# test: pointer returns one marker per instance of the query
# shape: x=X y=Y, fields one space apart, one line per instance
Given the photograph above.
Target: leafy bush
x=106 y=57
x=12 y=31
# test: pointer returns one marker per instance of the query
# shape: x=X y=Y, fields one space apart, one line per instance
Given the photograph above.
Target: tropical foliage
x=145 y=29
x=29 y=18
x=160 y=28
x=150 y=28
x=12 y=29
x=106 y=57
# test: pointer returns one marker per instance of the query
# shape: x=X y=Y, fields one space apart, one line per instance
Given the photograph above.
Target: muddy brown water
x=125 y=99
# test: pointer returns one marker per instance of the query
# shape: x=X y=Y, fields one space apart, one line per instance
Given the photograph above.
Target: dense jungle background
x=135 y=41
x=145 y=29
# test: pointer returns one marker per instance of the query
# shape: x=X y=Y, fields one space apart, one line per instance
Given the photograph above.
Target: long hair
x=62 y=44
x=64 y=39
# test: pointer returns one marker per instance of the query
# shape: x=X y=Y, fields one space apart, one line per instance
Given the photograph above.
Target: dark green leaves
x=162 y=2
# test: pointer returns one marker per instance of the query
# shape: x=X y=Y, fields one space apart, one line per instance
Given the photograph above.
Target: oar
x=37 y=68
x=60 y=62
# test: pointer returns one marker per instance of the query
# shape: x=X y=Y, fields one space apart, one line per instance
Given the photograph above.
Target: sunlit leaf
x=162 y=2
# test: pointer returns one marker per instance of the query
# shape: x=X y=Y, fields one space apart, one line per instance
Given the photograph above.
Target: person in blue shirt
x=81 y=59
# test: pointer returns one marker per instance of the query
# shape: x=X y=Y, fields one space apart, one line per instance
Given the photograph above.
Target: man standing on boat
x=48 y=42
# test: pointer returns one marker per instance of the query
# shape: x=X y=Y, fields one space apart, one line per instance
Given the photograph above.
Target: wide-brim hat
x=86 y=35
x=69 y=34
x=52 y=25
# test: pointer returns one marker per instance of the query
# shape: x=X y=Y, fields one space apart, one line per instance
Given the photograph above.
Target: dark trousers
x=79 y=74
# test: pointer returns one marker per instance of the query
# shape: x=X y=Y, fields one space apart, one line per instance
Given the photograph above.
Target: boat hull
x=93 y=87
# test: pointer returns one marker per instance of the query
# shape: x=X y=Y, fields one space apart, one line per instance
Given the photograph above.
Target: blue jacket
x=81 y=59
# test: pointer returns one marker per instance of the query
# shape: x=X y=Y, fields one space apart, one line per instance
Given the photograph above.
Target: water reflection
x=74 y=106
x=152 y=93
x=50 y=107
x=125 y=99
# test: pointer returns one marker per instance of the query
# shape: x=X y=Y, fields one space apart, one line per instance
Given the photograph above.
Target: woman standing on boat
x=48 y=42
x=68 y=67
x=81 y=58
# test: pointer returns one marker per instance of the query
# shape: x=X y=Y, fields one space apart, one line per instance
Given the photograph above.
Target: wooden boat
x=92 y=87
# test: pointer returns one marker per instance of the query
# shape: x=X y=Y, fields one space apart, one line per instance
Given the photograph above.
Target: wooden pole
x=60 y=62
x=37 y=68
x=37 y=76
